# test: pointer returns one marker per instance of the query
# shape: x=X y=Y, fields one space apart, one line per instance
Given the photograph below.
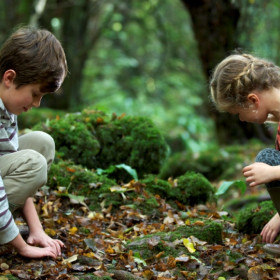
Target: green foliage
x=214 y=163
x=226 y=185
x=253 y=218
x=112 y=168
x=94 y=140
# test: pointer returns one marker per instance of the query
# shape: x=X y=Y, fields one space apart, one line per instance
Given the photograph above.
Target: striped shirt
x=8 y=144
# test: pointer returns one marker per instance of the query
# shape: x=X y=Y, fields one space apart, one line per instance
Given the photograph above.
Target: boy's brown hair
x=36 y=56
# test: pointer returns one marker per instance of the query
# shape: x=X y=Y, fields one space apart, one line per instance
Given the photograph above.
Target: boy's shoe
x=273 y=249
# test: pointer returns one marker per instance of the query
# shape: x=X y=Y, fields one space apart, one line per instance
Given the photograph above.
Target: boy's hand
x=260 y=173
x=30 y=251
x=37 y=252
x=40 y=238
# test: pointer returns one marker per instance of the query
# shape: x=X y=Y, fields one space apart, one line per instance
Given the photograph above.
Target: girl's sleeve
x=8 y=228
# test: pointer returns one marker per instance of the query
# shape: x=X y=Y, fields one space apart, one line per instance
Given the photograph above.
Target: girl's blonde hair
x=237 y=76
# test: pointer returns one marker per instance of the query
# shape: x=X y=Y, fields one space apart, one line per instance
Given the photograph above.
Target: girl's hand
x=40 y=238
x=271 y=229
x=260 y=173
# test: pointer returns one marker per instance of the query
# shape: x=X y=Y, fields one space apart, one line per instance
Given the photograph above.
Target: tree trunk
x=215 y=28
x=80 y=30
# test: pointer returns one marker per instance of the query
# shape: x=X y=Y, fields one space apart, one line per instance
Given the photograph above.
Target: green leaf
x=137 y=258
x=112 y=168
x=226 y=185
x=129 y=170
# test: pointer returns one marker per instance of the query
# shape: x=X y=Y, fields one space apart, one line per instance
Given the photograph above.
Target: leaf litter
x=96 y=245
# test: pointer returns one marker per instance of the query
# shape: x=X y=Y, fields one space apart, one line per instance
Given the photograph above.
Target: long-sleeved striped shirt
x=8 y=144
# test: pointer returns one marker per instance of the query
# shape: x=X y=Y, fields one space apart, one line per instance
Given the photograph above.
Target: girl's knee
x=269 y=156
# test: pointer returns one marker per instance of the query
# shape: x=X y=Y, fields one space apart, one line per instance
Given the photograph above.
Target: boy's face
x=22 y=99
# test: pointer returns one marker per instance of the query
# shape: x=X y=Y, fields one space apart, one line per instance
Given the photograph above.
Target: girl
x=250 y=88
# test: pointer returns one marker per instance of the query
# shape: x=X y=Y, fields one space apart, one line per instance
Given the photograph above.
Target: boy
x=32 y=64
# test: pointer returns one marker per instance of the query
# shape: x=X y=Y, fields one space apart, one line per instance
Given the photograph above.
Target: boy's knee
x=269 y=156
x=40 y=142
x=27 y=174
x=38 y=170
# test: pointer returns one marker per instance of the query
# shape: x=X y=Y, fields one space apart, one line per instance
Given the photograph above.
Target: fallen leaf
x=189 y=245
x=71 y=259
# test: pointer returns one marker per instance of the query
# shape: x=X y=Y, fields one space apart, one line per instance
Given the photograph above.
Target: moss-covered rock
x=190 y=189
x=253 y=218
x=150 y=245
x=94 y=140
x=194 y=189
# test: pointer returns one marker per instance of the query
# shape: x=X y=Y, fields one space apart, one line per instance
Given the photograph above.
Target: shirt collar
x=4 y=114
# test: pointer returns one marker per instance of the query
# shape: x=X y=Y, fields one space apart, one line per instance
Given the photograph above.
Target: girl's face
x=250 y=114
x=257 y=109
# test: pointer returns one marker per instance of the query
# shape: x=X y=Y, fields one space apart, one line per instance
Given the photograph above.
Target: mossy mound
x=195 y=188
x=214 y=164
x=94 y=140
x=253 y=218
x=99 y=189
x=189 y=189
x=150 y=245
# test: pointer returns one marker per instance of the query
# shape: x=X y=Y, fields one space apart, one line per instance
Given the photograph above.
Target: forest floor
x=96 y=246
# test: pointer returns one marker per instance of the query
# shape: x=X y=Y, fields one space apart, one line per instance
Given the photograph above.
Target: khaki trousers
x=25 y=171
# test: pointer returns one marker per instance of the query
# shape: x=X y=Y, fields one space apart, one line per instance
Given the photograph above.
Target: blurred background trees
x=153 y=58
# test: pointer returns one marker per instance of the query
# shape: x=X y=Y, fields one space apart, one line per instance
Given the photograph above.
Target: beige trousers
x=25 y=171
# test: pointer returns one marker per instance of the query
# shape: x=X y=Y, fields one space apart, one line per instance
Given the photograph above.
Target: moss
x=9 y=276
x=253 y=218
x=81 y=181
x=37 y=115
x=134 y=141
x=194 y=189
x=211 y=232
x=92 y=139
x=160 y=187
x=233 y=255
x=214 y=164
x=97 y=188
x=73 y=140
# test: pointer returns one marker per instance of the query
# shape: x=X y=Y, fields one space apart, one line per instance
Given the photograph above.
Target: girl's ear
x=253 y=99
x=9 y=77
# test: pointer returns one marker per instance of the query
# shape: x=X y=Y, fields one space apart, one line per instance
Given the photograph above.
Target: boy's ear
x=253 y=99
x=9 y=77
